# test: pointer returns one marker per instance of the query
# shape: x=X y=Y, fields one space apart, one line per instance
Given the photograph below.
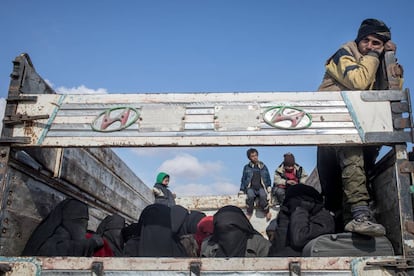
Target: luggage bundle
x=347 y=244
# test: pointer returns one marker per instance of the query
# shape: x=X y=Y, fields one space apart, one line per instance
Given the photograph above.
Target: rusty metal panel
x=96 y=176
x=393 y=201
x=217 y=266
x=164 y=117
x=93 y=176
x=237 y=118
x=194 y=119
x=27 y=201
x=21 y=266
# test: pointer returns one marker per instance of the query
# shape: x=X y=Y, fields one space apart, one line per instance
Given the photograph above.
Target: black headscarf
x=157 y=238
x=295 y=194
x=131 y=235
x=231 y=231
x=179 y=215
x=110 y=228
x=374 y=27
x=67 y=222
x=184 y=221
x=193 y=219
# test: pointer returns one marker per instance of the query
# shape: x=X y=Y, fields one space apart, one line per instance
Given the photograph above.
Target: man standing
x=342 y=170
x=255 y=182
x=288 y=173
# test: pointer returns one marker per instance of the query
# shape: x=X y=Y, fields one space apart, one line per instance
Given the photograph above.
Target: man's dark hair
x=250 y=151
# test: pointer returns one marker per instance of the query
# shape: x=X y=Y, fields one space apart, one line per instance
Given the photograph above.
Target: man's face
x=370 y=43
x=254 y=157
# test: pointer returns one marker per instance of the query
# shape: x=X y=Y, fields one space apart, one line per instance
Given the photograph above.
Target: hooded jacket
x=280 y=177
x=162 y=194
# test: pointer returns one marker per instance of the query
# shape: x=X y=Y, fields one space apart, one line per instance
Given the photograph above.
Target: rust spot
x=409 y=226
x=28 y=130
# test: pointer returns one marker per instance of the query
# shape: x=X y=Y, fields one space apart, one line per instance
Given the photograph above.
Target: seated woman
x=301 y=218
x=158 y=226
x=63 y=233
x=234 y=236
x=110 y=229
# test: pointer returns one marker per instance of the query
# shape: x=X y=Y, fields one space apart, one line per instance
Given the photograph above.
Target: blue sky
x=192 y=46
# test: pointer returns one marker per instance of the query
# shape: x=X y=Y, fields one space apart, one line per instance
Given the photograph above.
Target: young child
x=162 y=194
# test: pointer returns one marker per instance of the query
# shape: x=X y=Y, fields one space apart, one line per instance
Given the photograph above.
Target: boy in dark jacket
x=162 y=194
x=255 y=183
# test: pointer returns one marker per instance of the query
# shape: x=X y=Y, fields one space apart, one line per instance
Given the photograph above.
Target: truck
x=57 y=146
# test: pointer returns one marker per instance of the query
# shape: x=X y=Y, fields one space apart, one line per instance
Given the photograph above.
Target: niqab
x=232 y=229
x=62 y=232
x=110 y=228
x=157 y=238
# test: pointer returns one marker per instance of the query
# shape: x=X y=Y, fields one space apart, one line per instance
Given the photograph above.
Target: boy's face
x=289 y=168
x=165 y=181
x=254 y=157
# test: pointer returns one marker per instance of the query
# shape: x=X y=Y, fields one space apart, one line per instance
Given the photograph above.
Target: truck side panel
x=31 y=190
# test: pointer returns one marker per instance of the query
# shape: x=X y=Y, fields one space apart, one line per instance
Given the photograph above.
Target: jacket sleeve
x=243 y=180
x=304 y=227
x=278 y=179
x=304 y=176
x=353 y=74
x=266 y=180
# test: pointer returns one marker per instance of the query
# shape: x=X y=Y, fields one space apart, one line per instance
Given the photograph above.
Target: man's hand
x=390 y=46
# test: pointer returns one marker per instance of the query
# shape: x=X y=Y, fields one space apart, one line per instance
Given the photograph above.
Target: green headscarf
x=161 y=176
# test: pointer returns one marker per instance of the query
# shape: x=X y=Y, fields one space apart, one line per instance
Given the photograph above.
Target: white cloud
x=82 y=89
x=189 y=167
